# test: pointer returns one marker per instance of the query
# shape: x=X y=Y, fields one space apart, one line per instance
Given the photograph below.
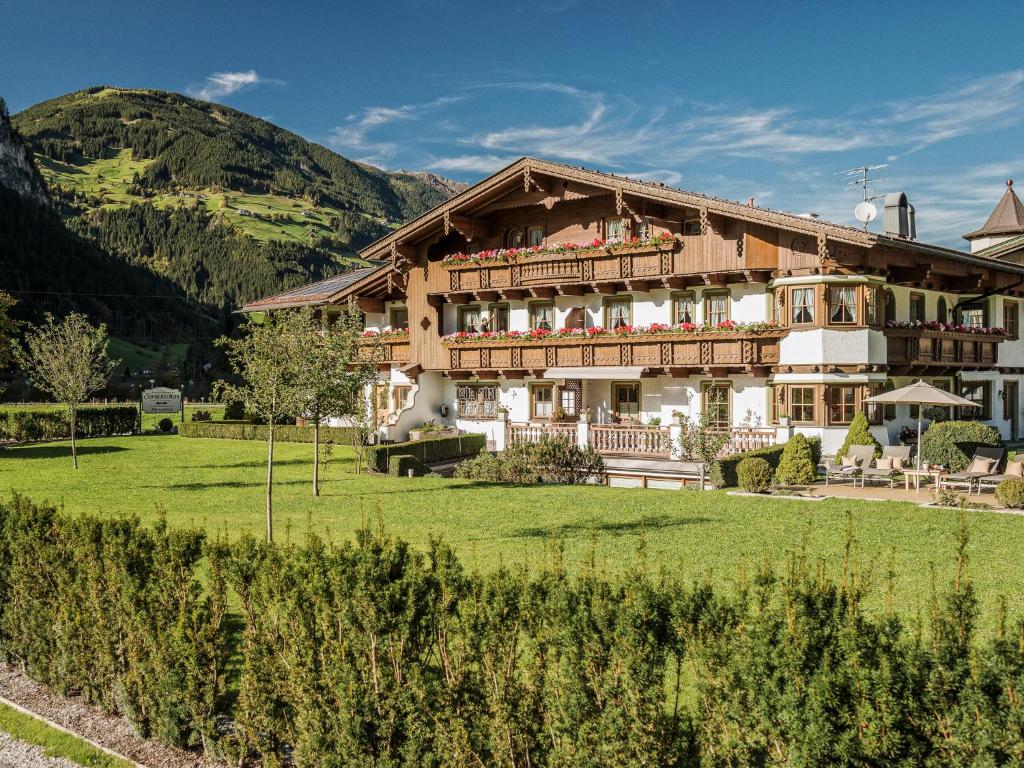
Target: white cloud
x=221 y=84
x=353 y=135
x=484 y=164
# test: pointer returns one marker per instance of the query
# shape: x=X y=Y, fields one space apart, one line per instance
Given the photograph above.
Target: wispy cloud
x=220 y=85
x=783 y=154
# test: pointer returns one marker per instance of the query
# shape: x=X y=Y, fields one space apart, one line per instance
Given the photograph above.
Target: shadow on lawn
x=223 y=484
x=648 y=523
x=56 y=451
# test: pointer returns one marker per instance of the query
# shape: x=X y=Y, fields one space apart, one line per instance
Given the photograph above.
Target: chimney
x=750 y=202
x=899 y=217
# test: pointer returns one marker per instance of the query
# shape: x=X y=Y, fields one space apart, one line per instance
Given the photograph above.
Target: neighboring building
x=676 y=302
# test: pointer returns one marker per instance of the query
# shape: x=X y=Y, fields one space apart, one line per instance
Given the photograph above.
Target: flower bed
x=935 y=325
x=654 y=329
x=511 y=255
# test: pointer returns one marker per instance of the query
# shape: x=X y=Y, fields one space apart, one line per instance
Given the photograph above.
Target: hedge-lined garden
x=22 y=425
x=723 y=473
x=245 y=430
x=369 y=653
x=433 y=450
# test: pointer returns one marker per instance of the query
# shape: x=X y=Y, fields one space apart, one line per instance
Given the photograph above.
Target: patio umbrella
x=919 y=394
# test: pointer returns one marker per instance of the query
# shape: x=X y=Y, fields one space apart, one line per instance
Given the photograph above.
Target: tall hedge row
x=244 y=430
x=371 y=653
x=30 y=424
x=723 y=473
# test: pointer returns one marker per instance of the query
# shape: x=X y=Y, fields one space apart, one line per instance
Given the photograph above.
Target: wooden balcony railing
x=923 y=348
x=623 y=263
x=532 y=433
x=630 y=440
x=748 y=439
x=735 y=350
x=390 y=351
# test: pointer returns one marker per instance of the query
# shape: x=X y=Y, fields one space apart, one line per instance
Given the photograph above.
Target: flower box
x=595 y=248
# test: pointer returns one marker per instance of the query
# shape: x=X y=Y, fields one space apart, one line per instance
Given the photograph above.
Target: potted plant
x=585 y=415
x=678 y=418
x=502 y=413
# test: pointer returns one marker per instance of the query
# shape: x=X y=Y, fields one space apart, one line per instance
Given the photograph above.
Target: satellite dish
x=865 y=212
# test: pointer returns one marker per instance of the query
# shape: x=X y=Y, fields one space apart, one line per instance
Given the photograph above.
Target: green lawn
x=219 y=484
x=55 y=743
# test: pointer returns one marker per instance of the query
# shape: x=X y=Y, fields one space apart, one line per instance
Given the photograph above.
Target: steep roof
x=1006 y=219
x=308 y=295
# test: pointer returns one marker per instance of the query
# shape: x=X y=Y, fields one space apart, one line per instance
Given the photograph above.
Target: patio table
x=917 y=474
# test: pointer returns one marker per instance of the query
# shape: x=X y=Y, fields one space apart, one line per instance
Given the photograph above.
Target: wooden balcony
x=636 y=264
x=921 y=350
x=393 y=351
x=678 y=354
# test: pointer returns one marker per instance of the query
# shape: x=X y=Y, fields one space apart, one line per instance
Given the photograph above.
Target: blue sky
x=737 y=99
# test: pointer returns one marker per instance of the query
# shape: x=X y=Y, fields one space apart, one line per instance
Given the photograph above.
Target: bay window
x=802 y=302
x=842 y=304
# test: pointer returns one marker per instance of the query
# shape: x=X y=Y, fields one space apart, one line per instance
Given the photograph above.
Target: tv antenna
x=866 y=210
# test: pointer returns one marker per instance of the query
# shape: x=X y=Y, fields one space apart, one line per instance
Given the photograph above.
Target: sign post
x=162 y=400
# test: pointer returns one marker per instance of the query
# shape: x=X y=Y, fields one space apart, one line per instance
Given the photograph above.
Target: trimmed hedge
x=754 y=474
x=952 y=443
x=723 y=473
x=399 y=465
x=244 y=430
x=23 y=425
x=430 y=451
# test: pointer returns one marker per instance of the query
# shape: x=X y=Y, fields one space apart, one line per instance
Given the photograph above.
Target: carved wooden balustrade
x=623 y=263
x=920 y=348
x=388 y=350
x=532 y=433
x=631 y=440
x=742 y=439
x=737 y=350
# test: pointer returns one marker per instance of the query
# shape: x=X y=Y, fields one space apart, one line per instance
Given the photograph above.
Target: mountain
x=18 y=173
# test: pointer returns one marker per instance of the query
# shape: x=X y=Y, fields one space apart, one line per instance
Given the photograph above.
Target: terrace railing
x=743 y=439
x=532 y=433
x=630 y=440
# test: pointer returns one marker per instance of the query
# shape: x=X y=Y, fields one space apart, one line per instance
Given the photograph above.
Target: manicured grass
x=55 y=743
x=219 y=484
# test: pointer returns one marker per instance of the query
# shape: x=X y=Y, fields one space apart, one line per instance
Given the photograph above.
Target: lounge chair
x=991 y=481
x=876 y=474
x=970 y=479
x=862 y=454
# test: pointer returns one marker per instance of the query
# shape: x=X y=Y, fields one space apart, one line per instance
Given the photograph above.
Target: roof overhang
x=599 y=372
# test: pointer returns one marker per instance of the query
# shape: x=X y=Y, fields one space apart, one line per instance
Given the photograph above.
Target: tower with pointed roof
x=1006 y=222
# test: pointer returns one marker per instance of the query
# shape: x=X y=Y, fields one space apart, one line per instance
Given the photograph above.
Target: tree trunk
x=74 y=449
x=270 y=481
x=316 y=455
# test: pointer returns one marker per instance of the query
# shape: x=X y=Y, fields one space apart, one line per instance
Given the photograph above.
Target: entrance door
x=1011 y=408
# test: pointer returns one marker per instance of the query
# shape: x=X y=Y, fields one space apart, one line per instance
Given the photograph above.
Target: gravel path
x=114 y=733
x=18 y=754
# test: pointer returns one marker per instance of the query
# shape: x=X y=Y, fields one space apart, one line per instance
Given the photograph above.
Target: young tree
x=68 y=360
x=337 y=370
x=8 y=326
x=268 y=358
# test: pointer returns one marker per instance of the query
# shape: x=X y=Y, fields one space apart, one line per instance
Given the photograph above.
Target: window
x=477 y=401
x=1010 y=318
x=514 y=238
x=618 y=312
x=803 y=306
x=917 y=307
x=542 y=397
x=542 y=315
x=614 y=230
x=778 y=402
x=683 y=310
x=716 y=307
x=400 y=398
x=842 y=304
x=873 y=411
x=716 y=406
x=569 y=397
x=470 y=319
x=400 y=318
x=842 y=404
x=979 y=393
x=645 y=228
x=498 y=317
x=890 y=305
x=626 y=401
x=973 y=315
x=535 y=236
x=871 y=308
x=801 y=404
x=691 y=227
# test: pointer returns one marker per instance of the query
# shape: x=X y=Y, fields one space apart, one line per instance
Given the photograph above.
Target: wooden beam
x=512 y=294
x=605 y=288
x=459 y=298
x=641 y=286
x=513 y=375
x=675 y=282
x=542 y=292
x=435 y=301
x=572 y=290
x=486 y=295
x=459 y=375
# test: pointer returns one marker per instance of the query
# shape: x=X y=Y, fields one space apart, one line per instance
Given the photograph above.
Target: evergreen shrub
x=431 y=450
x=165 y=425
x=859 y=433
x=754 y=474
x=1010 y=493
x=797 y=466
x=549 y=460
x=723 y=473
x=244 y=430
x=952 y=443
x=234 y=410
